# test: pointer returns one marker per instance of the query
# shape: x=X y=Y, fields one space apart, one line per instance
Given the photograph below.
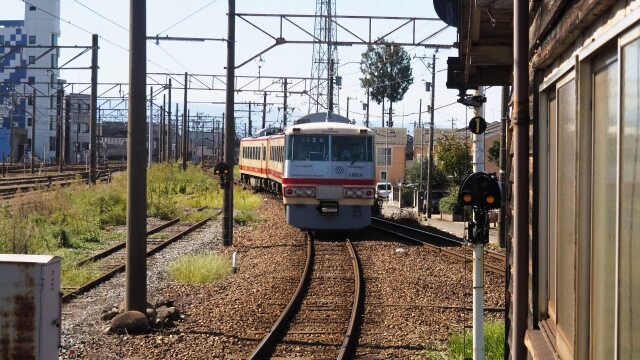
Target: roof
x=328 y=128
x=28 y=259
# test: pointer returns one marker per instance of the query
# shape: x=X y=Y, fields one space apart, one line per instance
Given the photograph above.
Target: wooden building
x=584 y=160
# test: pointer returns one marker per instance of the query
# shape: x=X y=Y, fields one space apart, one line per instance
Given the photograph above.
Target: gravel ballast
x=411 y=295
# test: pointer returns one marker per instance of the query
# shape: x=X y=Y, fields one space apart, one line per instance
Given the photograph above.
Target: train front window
x=351 y=148
x=308 y=147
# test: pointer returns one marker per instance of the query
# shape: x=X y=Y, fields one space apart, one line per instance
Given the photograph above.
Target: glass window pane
x=553 y=204
x=566 y=238
x=629 y=311
x=309 y=147
x=350 y=148
x=603 y=240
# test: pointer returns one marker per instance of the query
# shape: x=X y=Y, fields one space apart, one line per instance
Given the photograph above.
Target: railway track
x=112 y=261
x=10 y=187
x=494 y=261
x=322 y=317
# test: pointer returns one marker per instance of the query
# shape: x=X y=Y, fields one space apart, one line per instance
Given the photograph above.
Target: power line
x=102 y=16
x=187 y=17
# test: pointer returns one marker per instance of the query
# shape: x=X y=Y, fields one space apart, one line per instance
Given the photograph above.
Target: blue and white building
x=23 y=69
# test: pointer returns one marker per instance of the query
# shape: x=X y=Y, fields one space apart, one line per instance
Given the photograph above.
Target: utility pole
x=348 y=101
x=367 y=123
x=264 y=111
x=330 y=82
x=502 y=229
x=185 y=140
x=421 y=150
x=520 y=136
x=150 y=139
x=478 y=249
x=61 y=123
x=284 y=122
x=136 y=276
x=33 y=131
x=431 y=168
x=250 y=125
x=93 y=121
x=177 y=139
x=227 y=204
x=163 y=140
x=169 y=138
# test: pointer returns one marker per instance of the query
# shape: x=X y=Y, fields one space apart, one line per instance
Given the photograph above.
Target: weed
x=460 y=345
x=200 y=268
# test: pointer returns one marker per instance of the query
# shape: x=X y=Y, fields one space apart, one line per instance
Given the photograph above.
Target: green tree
x=453 y=157
x=386 y=70
x=494 y=152
x=412 y=175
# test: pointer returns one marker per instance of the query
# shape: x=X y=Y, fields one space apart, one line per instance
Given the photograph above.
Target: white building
x=24 y=66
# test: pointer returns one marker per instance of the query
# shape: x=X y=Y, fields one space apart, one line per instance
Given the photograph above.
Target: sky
x=208 y=19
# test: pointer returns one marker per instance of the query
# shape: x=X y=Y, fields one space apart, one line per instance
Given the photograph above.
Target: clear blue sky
x=285 y=60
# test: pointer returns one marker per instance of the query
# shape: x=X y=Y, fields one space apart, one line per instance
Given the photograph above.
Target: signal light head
x=490 y=199
x=467 y=197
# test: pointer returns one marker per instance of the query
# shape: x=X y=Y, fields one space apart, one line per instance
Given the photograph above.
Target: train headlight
x=369 y=193
x=310 y=192
x=289 y=191
x=359 y=193
x=348 y=193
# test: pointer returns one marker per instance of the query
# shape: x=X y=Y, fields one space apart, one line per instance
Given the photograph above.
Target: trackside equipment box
x=29 y=306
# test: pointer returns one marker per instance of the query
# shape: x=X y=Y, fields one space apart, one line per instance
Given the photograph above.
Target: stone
x=130 y=322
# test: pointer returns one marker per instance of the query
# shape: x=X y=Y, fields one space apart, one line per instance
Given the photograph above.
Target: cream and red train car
x=324 y=169
x=262 y=161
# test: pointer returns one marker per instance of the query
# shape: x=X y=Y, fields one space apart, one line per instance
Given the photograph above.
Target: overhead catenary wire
x=187 y=17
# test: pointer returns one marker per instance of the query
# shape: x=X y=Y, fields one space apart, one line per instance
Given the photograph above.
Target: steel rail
x=104 y=277
x=487 y=252
x=122 y=245
x=264 y=348
x=489 y=267
x=347 y=350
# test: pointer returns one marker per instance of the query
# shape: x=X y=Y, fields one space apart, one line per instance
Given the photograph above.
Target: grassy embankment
x=73 y=221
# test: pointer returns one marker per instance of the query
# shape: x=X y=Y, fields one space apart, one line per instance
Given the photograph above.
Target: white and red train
x=323 y=168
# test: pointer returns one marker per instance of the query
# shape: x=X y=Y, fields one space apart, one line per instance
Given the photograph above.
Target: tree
x=494 y=152
x=412 y=175
x=453 y=156
x=386 y=70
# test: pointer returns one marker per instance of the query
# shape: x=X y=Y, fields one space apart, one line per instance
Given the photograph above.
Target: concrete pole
x=150 y=137
x=478 y=251
x=284 y=123
x=136 y=276
x=93 y=120
x=250 y=124
x=185 y=139
x=431 y=168
x=169 y=138
x=264 y=111
x=177 y=135
x=227 y=203
x=33 y=132
x=367 y=123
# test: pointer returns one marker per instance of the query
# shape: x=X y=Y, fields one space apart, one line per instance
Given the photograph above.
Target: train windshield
x=351 y=148
x=308 y=147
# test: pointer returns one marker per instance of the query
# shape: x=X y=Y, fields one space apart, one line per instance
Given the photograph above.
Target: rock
x=107 y=330
x=165 y=303
x=151 y=315
x=130 y=322
x=107 y=316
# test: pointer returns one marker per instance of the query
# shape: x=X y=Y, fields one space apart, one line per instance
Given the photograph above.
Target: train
x=323 y=167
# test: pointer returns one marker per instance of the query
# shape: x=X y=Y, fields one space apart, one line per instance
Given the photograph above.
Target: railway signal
x=222 y=170
x=481 y=191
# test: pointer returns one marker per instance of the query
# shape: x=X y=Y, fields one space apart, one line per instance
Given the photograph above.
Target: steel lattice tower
x=323 y=52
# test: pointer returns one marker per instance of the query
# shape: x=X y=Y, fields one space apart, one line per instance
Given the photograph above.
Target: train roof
x=322 y=117
x=327 y=128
